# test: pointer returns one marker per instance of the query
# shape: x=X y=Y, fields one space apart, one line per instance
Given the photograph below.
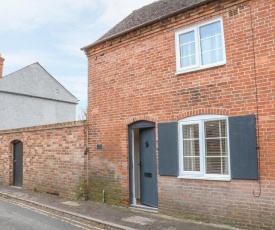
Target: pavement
x=112 y=217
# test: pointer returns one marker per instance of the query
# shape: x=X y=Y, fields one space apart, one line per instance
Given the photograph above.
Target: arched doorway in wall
x=143 y=167
x=17 y=163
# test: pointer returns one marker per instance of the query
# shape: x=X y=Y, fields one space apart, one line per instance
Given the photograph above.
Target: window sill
x=216 y=178
x=200 y=68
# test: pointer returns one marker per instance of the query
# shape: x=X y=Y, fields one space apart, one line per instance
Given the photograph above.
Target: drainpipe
x=86 y=162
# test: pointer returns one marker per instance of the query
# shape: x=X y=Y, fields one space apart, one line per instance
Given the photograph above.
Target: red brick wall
x=133 y=78
x=53 y=157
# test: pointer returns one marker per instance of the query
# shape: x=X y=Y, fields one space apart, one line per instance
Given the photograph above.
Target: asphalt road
x=18 y=216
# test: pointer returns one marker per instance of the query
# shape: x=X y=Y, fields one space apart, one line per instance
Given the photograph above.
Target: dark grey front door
x=18 y=164
x=148 y=170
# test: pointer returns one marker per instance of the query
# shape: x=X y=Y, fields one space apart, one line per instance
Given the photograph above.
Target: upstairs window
x=200 y=47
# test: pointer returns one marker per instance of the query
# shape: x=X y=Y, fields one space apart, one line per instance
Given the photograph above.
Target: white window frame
x=198 y=65
x=200 y=119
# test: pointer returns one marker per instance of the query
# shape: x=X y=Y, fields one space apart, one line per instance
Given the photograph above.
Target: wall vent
x=233 y=12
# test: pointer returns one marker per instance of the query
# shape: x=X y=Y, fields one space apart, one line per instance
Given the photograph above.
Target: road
x=19 y=216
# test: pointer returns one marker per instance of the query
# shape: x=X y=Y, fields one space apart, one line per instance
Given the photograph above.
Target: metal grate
x=233 y=12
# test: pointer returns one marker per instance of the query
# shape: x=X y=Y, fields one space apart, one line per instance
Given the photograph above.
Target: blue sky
x=52 y=32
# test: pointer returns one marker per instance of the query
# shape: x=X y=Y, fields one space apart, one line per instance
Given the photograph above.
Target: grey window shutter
x=243 y=149
x=168 y=148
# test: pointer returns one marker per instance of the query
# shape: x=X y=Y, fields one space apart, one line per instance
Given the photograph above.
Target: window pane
x=187 y=49
x=210 y=30
x=211 y=43
x=187 y=37
x=191 y=148
x=191 y=164
x=188 y=61
x=217 y=165
x=215 y=128
x=190 y=131
x=216 y=147
x=213 y=56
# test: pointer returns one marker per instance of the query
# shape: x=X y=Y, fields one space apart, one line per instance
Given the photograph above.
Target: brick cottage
x=181 y=111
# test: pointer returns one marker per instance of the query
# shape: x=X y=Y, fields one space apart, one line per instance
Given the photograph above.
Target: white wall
x=17 y=111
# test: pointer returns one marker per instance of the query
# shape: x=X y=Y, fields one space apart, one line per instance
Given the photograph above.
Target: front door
x=148 y=170
x=18 y=164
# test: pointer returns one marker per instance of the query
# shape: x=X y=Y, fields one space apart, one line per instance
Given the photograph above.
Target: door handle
x=139 y=166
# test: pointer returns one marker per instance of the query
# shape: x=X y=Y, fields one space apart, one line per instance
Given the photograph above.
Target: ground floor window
x=203 y=147
x=210 y=147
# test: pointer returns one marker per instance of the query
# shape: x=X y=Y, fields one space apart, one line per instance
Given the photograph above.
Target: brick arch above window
x=202 y=111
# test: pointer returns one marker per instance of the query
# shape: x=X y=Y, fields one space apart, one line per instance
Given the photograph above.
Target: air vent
x=233 y=12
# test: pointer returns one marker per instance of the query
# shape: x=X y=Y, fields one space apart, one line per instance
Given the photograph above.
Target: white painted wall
x=17 y=111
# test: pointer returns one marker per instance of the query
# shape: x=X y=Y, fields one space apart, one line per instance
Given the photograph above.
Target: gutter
x=146 y=24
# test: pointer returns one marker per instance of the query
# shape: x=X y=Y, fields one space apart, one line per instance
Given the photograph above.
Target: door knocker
x=147 y=144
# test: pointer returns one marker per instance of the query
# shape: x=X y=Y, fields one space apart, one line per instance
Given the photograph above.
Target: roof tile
x=148 y=13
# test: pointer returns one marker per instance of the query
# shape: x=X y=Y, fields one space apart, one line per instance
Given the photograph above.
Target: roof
x=148 y=14
x=35 y=81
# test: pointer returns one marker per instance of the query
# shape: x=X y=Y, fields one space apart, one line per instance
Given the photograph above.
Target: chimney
x=1 y=65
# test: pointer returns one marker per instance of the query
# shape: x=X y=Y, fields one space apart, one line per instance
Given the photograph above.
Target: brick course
x=53 y=158
x=132 y=78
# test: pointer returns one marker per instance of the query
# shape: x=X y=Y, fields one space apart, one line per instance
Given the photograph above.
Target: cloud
x=116 y=10
x=76 y=84
x=52 y=32
x=25 y=58
x=32 y=14
x=112 y=12
x=19 y=59
x=70 y=43
x=103 y=17
x=72 y=24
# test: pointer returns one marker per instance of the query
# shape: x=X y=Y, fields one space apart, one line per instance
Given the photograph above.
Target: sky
x=52 y=32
